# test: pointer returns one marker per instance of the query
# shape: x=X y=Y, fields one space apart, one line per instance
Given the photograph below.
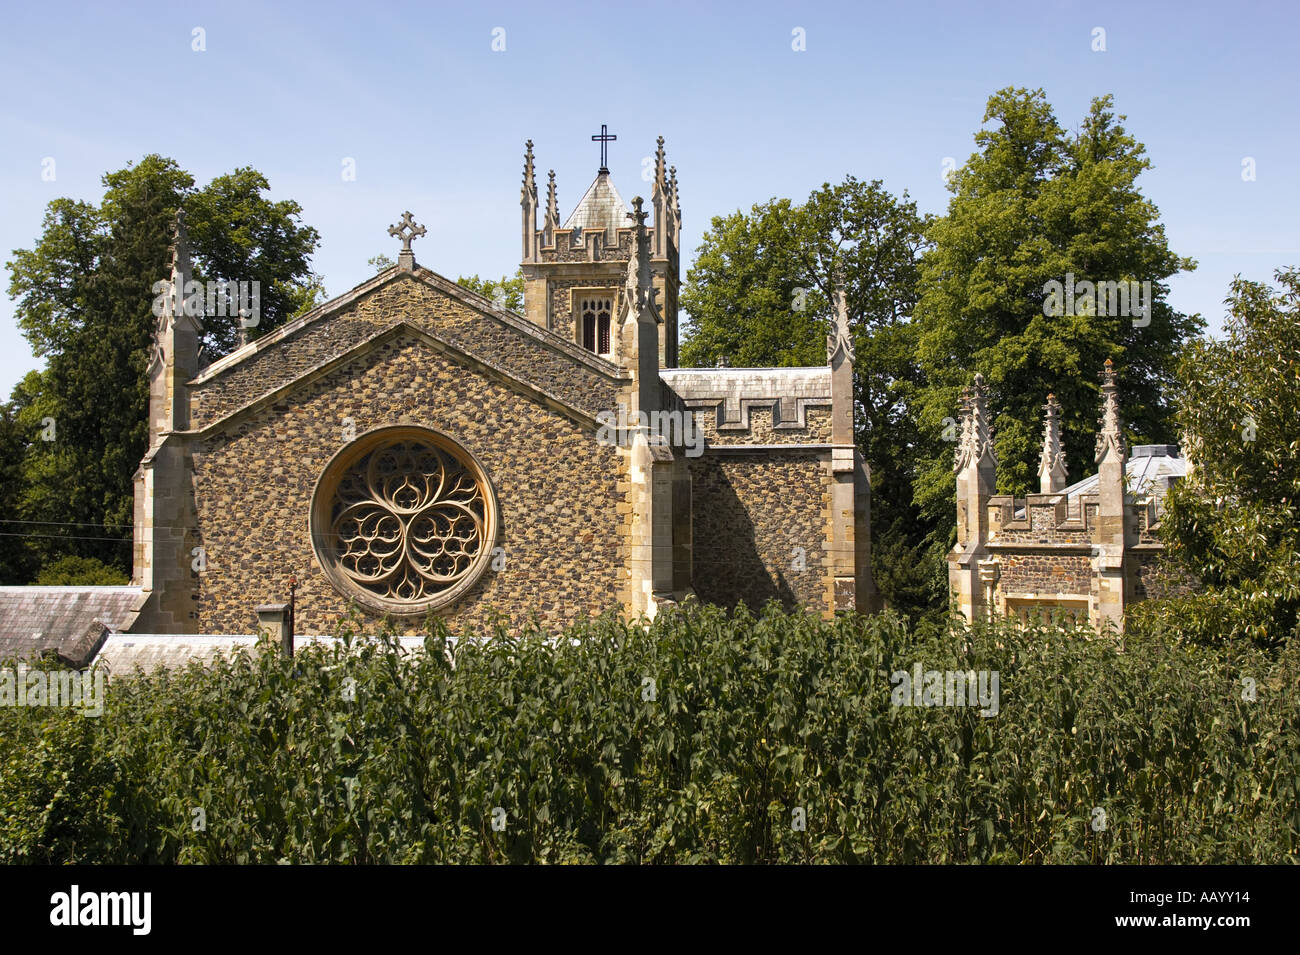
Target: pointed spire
x=552 y=206
x=180 y=245
x=1051 y=466
x=530 y=183
x=840 y=338
x=528 y=204
x=182 y=270
x=1110 y=439
x=977 y=436
x=674 y=200
x=660 y=200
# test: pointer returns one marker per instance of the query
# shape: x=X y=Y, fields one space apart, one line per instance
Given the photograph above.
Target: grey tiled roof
x=69 y=622
x=600 y=208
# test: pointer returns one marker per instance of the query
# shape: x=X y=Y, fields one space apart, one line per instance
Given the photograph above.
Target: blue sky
x=435 y=119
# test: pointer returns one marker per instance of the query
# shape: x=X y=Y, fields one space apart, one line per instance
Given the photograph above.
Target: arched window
x=595 y=314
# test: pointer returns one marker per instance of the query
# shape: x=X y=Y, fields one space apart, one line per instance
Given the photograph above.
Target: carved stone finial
x=173 y=302
x=638 y=286
x=963 y=424
x=976 y=444
x=637 y=215
x=406 y=231
x=552 y=203
x=1051 y=465
x=674 y=200
x=840 y=338
x=1110 y=439
x=660 y=178
x=530 y=184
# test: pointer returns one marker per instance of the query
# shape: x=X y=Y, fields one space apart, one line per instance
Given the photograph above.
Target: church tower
x=574 y=273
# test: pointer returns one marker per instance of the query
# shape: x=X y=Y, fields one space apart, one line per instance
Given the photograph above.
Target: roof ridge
x=420 y=274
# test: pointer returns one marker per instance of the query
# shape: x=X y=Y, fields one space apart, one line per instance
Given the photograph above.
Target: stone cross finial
x=637 y=215
x=1051 y=466
x=1110 y=439
x=406 y=231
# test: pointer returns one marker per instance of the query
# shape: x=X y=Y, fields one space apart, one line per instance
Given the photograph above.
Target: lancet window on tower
x=596 y=313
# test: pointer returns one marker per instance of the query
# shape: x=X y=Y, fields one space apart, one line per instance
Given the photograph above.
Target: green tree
x=1234 y=522
x=1033 y=205
x=72 y=571
x=760 y=293
x=240 y=235
x=17 y=561
x=84 y=294
x=506 y=292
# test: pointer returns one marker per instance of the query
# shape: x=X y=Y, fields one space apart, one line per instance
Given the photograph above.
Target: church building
x=412 y=448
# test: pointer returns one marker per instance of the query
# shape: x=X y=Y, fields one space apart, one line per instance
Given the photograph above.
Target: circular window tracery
x=403 y=519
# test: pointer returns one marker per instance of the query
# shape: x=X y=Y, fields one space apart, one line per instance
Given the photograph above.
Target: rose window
x=403 y=520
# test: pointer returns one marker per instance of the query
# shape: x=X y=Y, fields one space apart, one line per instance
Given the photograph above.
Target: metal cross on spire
x=604 y=139
x=406 y=230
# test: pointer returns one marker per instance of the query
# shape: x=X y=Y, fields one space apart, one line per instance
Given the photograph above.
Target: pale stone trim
x=743 y=448
x=733 y=393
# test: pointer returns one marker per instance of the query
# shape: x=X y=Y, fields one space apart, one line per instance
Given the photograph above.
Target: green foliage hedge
x=751 y=718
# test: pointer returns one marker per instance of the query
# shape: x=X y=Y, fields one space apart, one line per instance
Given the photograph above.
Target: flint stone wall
x=555 y=487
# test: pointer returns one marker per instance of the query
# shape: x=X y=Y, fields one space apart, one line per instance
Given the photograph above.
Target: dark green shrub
x=748 y=719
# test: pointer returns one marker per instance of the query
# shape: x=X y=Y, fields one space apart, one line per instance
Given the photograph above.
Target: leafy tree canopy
x=506 y=292
x=1035 y=204
x=1234 y=522
x=84 y=296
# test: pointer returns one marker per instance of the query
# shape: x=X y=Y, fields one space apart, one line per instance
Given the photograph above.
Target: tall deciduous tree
x=759 y=294
x=1036 y=205
x=85 y=296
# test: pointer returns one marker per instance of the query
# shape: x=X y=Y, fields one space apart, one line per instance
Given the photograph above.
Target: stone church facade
x=412 y=448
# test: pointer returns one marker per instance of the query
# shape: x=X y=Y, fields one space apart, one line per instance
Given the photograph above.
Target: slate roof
x=69 y=622
x=600 y=208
